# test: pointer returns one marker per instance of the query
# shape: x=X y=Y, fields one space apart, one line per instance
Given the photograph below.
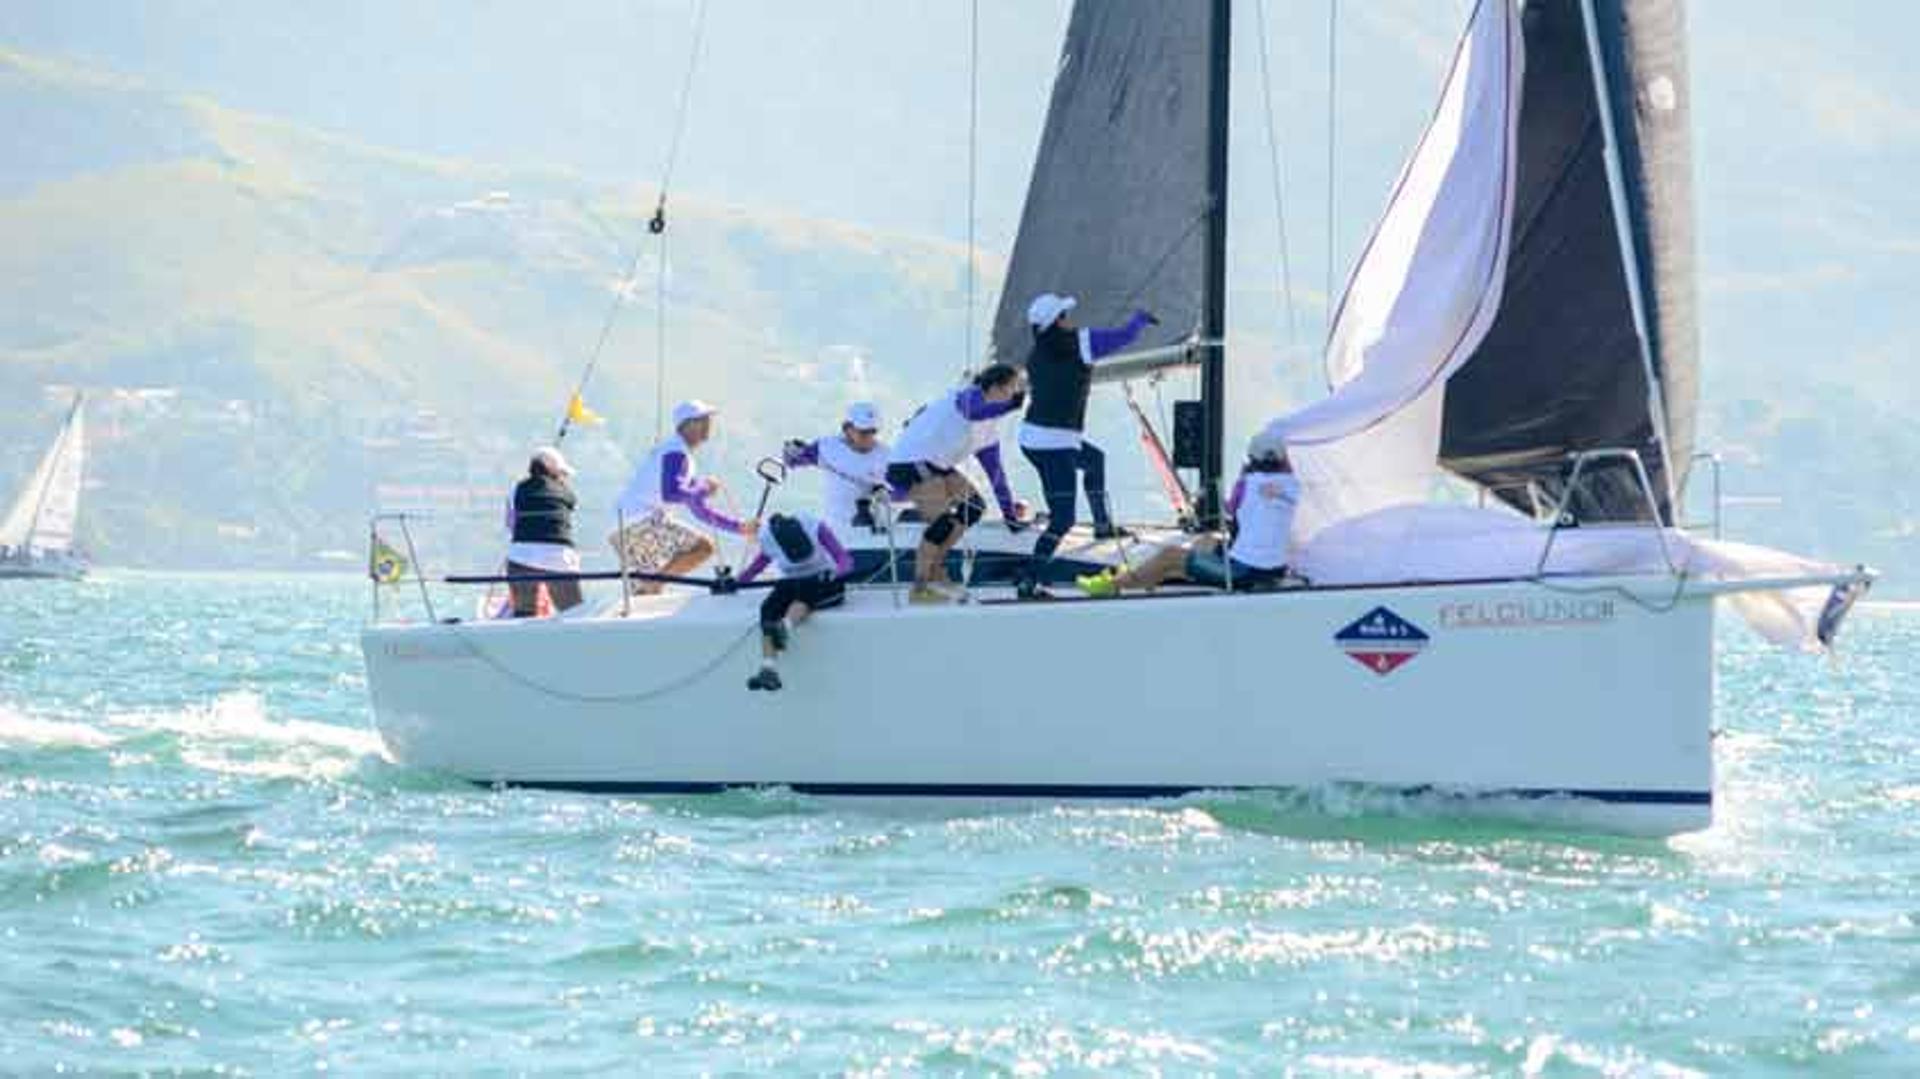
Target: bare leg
x=1162 y=566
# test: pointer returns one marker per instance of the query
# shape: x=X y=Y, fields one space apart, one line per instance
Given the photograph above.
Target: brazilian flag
x=385 y=564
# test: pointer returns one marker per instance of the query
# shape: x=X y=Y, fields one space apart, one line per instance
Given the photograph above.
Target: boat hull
x=1509 y=691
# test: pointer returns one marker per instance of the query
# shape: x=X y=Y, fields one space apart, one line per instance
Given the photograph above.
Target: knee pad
x=970 y=511
x=942 y=528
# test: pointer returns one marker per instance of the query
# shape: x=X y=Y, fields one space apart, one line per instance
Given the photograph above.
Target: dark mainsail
x=1117 y=210
x=1563 y=367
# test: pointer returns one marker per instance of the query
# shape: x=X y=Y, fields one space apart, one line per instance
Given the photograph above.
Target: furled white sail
x=1424 y=293
x=42 y=516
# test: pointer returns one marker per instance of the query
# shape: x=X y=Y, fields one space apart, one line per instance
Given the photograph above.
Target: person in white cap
x=1262 y=505
x=855 y=463
x=540 y=520
x=663 y=505
x=1053 y=433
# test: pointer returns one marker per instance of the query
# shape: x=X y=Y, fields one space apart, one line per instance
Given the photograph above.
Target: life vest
x=1061 y=380
x=543 y=511
x=813 y=559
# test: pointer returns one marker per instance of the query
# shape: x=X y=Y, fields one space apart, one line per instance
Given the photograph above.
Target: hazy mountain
x=365 y=243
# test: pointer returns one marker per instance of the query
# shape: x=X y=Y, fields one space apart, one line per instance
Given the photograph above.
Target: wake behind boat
x=36 y=536
x=1491 y=592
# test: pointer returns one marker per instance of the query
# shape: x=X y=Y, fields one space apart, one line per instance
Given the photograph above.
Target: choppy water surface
x=206 y=865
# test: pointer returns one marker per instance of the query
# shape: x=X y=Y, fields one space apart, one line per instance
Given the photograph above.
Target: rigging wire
x=656 y=226
x=973 y=169
x=1273 y=152
x=1333 y=138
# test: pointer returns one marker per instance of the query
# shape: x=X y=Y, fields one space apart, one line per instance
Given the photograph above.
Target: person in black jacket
x=1053 y=434
x=541 y=517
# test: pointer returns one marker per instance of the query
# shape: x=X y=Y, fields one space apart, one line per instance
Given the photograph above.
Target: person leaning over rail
x=1053 y=433
x=855 y=462
x=813 y=577
x=540 y=523
x=925 y=467
x=1262 y=505
x=666 y=500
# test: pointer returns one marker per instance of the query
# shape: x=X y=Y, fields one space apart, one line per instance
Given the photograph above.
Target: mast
x=1213 y=288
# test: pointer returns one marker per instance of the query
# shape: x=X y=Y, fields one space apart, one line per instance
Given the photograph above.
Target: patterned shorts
x=651 y=544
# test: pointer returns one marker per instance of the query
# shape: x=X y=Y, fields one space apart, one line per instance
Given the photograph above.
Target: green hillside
x=287 y=329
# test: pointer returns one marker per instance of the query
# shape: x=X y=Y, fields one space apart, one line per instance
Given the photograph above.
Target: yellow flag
x=578 y=412
x=385 y=564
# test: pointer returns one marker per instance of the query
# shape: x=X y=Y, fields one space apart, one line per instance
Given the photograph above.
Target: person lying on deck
x=813 y=571
x=1262 y=505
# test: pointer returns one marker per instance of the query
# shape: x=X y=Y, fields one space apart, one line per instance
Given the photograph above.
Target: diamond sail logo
x=1381 y=641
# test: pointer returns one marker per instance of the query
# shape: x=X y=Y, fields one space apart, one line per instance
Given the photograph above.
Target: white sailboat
x=36 y=536
x=1520 y=328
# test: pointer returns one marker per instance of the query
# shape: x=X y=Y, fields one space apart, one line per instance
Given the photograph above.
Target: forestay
x=1117 y=208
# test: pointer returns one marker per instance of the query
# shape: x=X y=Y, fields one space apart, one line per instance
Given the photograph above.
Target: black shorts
x=903 y=475
x=818 y=593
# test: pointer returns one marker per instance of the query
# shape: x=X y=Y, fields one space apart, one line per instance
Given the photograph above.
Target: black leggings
x=1059 y=469
x=817 y=593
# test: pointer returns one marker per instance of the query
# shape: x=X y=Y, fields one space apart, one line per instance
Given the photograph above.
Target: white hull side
x=1519 y=691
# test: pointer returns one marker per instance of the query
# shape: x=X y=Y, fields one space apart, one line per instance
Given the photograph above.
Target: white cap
x=862 y=416
x=553 y=460
x=1047 y=308
x=695 y=409
x=1270 y=442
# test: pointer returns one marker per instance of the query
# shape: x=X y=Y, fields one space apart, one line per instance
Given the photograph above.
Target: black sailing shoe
x=1111 y=531
x=768 y=679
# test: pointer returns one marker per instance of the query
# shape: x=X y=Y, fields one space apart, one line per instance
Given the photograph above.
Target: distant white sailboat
x=36 y=537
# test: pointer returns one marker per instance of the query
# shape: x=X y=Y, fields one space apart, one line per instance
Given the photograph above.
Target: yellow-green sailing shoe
x=1102 y=585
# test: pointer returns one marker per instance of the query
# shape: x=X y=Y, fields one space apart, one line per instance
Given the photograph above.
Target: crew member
x=925 y=467
x=540 y=520
x=813 y=576
x=855 y=463
x=1053 y=433
x=659 y=512
x=1262 y=505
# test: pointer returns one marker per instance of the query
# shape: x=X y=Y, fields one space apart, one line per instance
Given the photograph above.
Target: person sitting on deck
x=540 y=520
x=925 y=468
x=1053 y=434
x=1262 y=506
x=813 y=571
x=855 y=463
x=658 y=514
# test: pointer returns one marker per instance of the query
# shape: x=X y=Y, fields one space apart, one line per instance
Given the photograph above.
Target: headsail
x=1118 y=206
x=1422 y=296
x=42 y=516
x=1564 y=367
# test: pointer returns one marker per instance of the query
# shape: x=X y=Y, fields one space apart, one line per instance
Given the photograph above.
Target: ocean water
x=207 y=867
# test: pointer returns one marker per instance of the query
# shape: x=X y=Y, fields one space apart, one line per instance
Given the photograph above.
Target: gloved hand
x=793 y=450
x=724 y=583
x=1147 y=315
